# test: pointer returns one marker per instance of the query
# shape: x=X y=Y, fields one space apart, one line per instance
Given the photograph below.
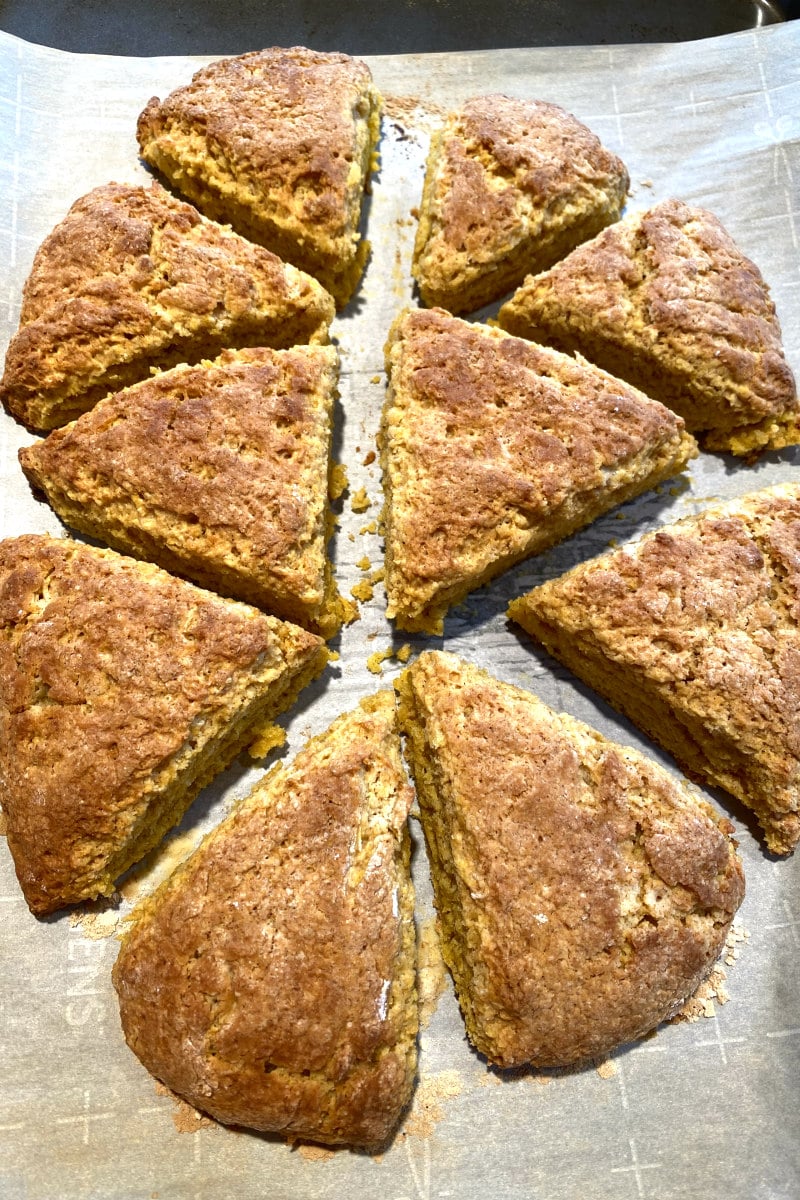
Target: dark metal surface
x=156 y=27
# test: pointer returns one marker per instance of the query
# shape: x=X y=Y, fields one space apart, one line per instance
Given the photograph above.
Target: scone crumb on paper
x=185 y=1118
x=371 y=527
x=375 y=379
x=360 y=501
x=363 y=592
x=97 y=919
x=369 y=458
x=426 y=1110
x=702 y=1003
x=606 y=1069
x=364 y=563
x=375 y=661
x=338 y=481
x=312 y=1153
x=737 y=934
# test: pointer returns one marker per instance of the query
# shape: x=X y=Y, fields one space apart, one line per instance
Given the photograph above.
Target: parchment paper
x=706 y=1109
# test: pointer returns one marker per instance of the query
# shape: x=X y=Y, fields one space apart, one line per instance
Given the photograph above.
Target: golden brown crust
x=666 y=300
x=511 y=186
x=694 y=634
x=123 y=691
x=279 y=144
x=217 y=471
x=271 y=981
x=583 y=892
x=131 y=279
x=494 y=449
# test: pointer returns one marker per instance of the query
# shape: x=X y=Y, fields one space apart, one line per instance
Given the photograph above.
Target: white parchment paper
x=707 y=1109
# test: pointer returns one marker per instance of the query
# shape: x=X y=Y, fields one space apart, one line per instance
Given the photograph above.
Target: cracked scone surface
x=666 y=300
x=582 y=891
x=271 y=980
x=694 y=633
x=217 y=471
x=123 y=691
x=510 y=187
x=493 y=449
x=133 y=279
x=279 y=143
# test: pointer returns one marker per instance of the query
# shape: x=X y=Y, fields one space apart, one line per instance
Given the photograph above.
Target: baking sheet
x=709 y=1108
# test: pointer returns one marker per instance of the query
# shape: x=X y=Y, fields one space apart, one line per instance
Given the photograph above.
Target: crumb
x=185 y=1118
x=266 y=740
x=360 y=501
x=337 y=480
x=620 y=516
x=369 y=458
x=378 y=576
x=426 y=1108
x=606 y=1069
x=404 y=653
x=646 y=183
x=96 y=920
x=372 y=527
x=701 y=1004
x=736 y=935
x=333 y=656
x=350 y=611
x=351 y=537
x=362 y=592
x=613 y=542
x=375 y=661
x=414 y=213
x=364 y=563
x=375 y=379
x=313 y=1153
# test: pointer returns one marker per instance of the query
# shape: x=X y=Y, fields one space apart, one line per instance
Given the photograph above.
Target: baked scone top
x=271 y=979
x=219 y=471
x=110 y=671
x=582 y=890
x=133 y=278
x=694 y=632
x=278 y=142
x=494 y=448
x=511 y=186
x=667 y=300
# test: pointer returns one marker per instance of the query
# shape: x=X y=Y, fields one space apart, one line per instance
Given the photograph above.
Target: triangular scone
x=133 y=279
x=279 y=144
x=583 y=892
x=218 y=472
x=123 y=691
x=510 y=187
x=494 y=449
x=271 y=980
x=694 y=634
x=666 y=300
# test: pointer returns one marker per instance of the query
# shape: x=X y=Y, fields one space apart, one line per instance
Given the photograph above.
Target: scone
x=494 y=449
x=133 y=279
x=694 y=634
x=279 y=144
x=510 y=187
x=666 y=300
x=123 y=692
x=218 y=472
x=271 y=980
x=583 y=893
